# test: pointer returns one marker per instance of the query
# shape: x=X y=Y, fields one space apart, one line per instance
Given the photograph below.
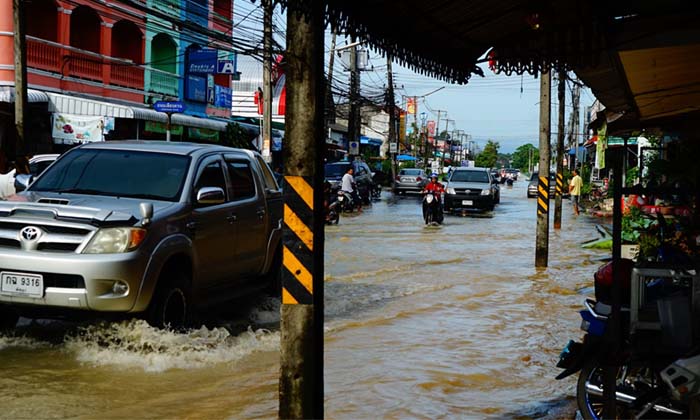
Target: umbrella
x=405 y=157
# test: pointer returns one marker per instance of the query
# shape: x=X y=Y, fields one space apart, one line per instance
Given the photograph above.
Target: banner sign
x=223 y=96
x=431 y=128
x=411 y=106
x=202 y=61
x=77 y=128
x=196 y=88
x=203 y=134
x=165 y=106
x=226 y=67
x=159 y=128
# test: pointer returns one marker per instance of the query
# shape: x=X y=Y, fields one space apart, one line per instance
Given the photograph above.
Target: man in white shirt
x=348 y=185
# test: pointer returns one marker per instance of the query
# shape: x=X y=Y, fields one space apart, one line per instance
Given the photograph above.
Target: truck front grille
x=53 y=237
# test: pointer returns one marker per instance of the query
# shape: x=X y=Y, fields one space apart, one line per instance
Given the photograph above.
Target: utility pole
x=575 y=101
x=301 y=317
x=561 y=88
x=391 y=102
x=354 y=119
x=329 y=86
x=267 y=79
x=20 y=51
x=542 y=238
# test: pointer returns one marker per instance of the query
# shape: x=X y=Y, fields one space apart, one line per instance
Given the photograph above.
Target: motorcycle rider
x=348 y=185
x=434 y=187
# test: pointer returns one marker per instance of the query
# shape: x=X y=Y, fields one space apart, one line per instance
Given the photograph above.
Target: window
x=242 y=182
x=118 y=173
x=469 y=176
x=211 y=175
x=37 y=168
x=270 y=182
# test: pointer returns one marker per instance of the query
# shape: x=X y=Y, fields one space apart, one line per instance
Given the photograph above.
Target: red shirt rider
x=434 y=186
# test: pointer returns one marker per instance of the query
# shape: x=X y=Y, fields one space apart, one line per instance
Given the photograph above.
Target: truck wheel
x=171 y=307
x=8 y=318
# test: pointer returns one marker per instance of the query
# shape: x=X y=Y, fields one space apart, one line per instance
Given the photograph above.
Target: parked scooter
x=432 y=209
x=653 y=379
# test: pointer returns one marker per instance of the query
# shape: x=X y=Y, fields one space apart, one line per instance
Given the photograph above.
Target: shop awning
x=64 y=104
x=7 y=94
x=371 y=141
x=405 y=157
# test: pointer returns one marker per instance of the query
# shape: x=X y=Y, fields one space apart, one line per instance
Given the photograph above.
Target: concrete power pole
x=392 y=119
x=20 y=51
x=561 y=88
x=542 y=238
x=268 y=8
x=354 y=119
x=575 y=100
x=329 y=87
x=301 y=318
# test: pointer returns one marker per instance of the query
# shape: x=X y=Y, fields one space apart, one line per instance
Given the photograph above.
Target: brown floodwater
x=421 y=322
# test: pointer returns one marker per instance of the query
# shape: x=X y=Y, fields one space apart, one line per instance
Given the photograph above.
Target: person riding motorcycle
x=436 y=188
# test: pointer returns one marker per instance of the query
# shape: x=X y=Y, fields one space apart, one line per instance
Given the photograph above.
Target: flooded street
x=438 y=322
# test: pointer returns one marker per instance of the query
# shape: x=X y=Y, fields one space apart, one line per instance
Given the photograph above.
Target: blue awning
x=371 y=141
x=405 y=157
x=581 y=151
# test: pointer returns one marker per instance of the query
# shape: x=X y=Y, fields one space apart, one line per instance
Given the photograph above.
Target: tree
x=488 y=157
x=524 y=156
x=236 y=136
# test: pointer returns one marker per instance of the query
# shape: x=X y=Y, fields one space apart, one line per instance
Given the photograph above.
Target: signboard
x=411 y=106
x=226 y=67
x=159 y=128
x=223 y=96
x=68 y=128
x=196 y=88
x=354 y=148
x=393 y=147
x=431 y=128
x=203 y=61
x=175 y=107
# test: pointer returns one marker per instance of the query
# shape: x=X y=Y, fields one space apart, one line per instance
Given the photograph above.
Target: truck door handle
x=232 y=218
x=191 y=225
x=260 y=212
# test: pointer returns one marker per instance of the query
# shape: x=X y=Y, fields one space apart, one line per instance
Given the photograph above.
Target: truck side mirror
x=210 y=195
x=22 y=182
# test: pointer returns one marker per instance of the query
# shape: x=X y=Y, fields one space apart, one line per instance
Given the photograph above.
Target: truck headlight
x=451 y=191
x=485 y=192
x=115 y=240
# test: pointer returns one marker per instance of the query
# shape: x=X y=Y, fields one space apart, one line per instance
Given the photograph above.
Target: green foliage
x=634 y=224
x=235 y=136
x=631 y=176
x=488 y=157
x=521 y=157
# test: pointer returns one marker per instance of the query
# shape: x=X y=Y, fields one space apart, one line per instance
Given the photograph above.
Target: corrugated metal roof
x=7 y=94
x=65 y=104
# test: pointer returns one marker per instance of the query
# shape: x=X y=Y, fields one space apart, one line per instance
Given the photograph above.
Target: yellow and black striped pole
x=542 y=234
x=301 y=314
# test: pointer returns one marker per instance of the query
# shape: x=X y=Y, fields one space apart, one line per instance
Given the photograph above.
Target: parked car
x=152 y=228
x=471 y=189
x=534 y=182
x=363 y=176
x=37 y=165
x=411 y=180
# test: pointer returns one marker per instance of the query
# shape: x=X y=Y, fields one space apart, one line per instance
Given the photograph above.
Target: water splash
x=136 y=345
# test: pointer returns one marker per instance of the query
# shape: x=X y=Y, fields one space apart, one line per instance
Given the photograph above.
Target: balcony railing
x=164 y=82
x=57 y=58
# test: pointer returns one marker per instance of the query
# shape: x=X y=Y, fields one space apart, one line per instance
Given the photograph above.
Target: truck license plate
x=21 y=284
x=467 y=202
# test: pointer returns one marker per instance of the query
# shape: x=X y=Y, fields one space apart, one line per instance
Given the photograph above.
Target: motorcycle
x=432 y=209
x=346 y=202
x=653 y=379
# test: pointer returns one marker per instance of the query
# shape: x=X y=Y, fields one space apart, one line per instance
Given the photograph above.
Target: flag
x=411 y=106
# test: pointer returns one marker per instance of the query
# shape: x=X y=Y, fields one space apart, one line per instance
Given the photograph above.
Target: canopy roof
x=638 y=56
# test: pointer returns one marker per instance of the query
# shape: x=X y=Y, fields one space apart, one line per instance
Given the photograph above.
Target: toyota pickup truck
x=156 y=229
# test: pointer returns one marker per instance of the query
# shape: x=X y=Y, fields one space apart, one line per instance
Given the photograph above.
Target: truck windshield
x=334 y=170
x=118 y=173
x=469 y=176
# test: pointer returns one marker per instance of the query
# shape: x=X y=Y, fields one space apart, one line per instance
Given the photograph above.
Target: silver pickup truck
x=152 y=228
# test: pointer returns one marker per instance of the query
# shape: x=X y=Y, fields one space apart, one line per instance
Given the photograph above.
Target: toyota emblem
x=30 y=233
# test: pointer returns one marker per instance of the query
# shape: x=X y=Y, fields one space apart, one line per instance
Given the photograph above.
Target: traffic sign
x=354 y=148
x=393 y=147
x=174 y=107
